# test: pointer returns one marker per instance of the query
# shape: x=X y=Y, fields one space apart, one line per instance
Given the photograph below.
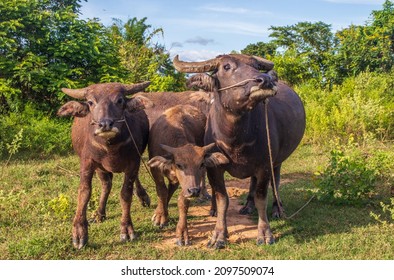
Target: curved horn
x=78 y=93
x=134 y=88
x=256 y=62
x=208 y=147
x=168 y=149
x=264 y=64
x=195 y=67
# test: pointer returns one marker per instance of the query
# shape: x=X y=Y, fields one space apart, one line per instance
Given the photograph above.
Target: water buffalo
x=165 y=100
x=236 y=124
x=101 y=138
x=175 y=150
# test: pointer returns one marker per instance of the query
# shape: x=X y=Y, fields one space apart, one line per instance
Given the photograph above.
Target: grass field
x=38 y=200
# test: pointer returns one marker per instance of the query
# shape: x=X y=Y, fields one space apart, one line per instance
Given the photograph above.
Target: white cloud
x=233 y=10
x=219 y=9
x=230 y=27
x=200 y=41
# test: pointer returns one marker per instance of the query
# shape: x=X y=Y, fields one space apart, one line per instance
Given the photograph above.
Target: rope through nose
x=94 y=122
x=241 y=83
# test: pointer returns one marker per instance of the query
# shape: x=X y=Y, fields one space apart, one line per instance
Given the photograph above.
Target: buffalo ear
x=215 y=159
x=73 y=108
x=138 y=103
x=162 y=163
x=202 y=81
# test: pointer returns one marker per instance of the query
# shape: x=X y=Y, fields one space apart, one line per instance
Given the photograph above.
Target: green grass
x=31 y=229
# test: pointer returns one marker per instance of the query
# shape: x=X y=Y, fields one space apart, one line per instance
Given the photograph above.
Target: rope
x=241 y=83
x=94 y=122
x=280 y=208
x=138 y=151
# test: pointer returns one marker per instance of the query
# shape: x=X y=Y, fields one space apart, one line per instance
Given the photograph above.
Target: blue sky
x=199 y=30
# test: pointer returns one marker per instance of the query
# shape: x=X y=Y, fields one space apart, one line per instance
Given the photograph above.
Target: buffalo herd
x=191 y=135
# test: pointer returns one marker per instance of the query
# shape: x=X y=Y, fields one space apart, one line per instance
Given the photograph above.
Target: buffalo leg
x=276 y=213
x=182 y=235
x=249 y=206
x=106 y=186
x=126 y=226
x=141 y=193
x=213 y=212
x=160 y=217
x=204 y=195
x=80 y=223
x=264 y=234
x=219 y=236
x=172 y=187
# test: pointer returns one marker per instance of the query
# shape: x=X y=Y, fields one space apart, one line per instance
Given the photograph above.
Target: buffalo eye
x=178 y=166
x=120 y=101
x=90 y=103
x=202 y=165
x=227 y=67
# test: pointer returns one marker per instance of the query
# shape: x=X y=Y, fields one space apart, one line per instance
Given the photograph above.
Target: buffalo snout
x=265 y=81
x=106 y=124
x=106 y=129
x=193 y=192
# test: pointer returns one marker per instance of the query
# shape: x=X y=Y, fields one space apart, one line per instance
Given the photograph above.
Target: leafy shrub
x=348 y=178
x=362 y=106
x=42 y=134
x=388 y=213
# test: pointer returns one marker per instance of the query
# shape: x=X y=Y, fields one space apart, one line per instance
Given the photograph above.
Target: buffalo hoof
x=267 y=241
x=218 y=240
x=98 y=218
x=204 y=196
x=80 y=234
x=79 y=243
x=159 y=221
x=219 y=244
x=143 y=196
x=213 y=213
x=266 y=238
x=276 y=213
x=125 y=237
x=248 y=209
x=180 y=243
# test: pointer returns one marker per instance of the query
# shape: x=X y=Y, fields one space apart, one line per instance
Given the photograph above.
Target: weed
x=60 y=206
x=13 y=147
x=388 y=213
x=348 y=178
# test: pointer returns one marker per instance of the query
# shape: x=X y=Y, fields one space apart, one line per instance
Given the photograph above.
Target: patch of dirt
x=240 y=227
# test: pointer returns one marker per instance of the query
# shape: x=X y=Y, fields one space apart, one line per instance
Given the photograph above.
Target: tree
x=44 y=46
x=369 y=47
x=261 y=49
x=313 y=44
x=141 y=58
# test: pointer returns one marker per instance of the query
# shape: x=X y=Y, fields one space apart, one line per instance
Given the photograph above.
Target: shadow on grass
x=318 y=218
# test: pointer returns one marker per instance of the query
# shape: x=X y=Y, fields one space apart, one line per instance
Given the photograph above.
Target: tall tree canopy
x=312 y=52
x=45 y=46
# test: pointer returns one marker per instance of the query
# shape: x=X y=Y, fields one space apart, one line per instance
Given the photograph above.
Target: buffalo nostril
x=193 y=192
x=264 y=80
x=106 y=124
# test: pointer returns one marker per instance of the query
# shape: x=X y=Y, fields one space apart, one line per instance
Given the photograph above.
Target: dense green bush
x=353 y=173
x=42 y=134
x=362 y=106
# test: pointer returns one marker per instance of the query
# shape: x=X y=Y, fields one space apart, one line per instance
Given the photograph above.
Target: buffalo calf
x=175 y=152
x=101 y=136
